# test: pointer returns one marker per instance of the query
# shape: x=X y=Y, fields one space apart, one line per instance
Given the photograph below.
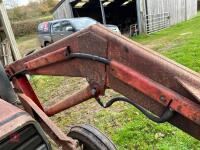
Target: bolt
x=162 y=98
x=93 y=92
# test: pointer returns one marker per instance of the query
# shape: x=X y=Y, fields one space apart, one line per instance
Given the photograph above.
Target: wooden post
x=9 y=32
x=186 y=18
x=102 y=12
x=139 y=16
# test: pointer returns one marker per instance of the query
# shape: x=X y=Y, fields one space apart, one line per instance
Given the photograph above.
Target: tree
x=47 y=5
x=11 y=3
x=35 y=9
x=14 y=10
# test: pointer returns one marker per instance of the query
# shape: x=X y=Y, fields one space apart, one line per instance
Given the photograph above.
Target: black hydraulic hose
x=168 y=114
x=89 y=57
x=71 y=56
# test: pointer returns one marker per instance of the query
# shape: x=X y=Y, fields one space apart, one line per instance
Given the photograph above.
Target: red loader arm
x=149 y=81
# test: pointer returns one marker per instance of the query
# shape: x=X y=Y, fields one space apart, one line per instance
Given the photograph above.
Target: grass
x=27 y=43
x=127 y=127
x=40 y=83
x=180 y=43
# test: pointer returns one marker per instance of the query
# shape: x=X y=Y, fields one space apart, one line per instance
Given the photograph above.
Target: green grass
x=180 y=43
x=46 y=86
x=27 y=43
x=127 y=127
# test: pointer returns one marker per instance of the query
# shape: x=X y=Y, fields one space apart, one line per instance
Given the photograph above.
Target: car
x=52 y=31
x=113 y=28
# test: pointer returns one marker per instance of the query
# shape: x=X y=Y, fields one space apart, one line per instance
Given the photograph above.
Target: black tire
x=6 y=91
x=47 y=44
x=90 y=138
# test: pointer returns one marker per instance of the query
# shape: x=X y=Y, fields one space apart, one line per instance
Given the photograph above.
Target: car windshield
x=82 y=23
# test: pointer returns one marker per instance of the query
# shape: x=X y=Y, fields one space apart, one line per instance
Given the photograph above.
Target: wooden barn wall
x=64 y=11
x=192 y=8
x=179 y=10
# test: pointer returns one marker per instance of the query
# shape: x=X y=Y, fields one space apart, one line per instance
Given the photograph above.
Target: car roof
x=59 y=20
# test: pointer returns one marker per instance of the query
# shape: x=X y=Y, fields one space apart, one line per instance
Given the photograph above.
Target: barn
x=147 y=15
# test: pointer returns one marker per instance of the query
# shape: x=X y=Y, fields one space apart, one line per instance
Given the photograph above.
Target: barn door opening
x=122 y=13
x=90 y=8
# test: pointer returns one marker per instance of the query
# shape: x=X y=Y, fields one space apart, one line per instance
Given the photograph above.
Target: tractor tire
x=6 y=91
x=90 y=138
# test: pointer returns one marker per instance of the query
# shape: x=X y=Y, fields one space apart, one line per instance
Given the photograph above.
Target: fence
x=157 y=22
x=163 y=13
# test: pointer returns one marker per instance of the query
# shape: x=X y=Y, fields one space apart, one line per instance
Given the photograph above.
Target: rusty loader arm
x=150 y=82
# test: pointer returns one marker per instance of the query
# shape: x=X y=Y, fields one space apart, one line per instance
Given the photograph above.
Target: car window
x=65 y=26
x=56 y=27
x=83 y=23
x=40 y=27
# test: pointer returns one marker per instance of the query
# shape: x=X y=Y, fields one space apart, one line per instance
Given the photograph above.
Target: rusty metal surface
x=71 y=101
x=152 y=67
x=49 y=127
x=88 y=42
x=156 y=91
x=47 y=59
x=191 y=88
x=12 y=118
x=24 y=86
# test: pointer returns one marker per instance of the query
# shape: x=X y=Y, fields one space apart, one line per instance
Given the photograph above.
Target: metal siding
x=63 y=11
x=192 y=5
x=180 y=10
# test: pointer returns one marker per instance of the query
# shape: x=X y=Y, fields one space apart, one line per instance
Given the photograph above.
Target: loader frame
x=162 y=89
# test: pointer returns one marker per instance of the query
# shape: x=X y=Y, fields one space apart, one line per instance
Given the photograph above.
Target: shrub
x=26 y=27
